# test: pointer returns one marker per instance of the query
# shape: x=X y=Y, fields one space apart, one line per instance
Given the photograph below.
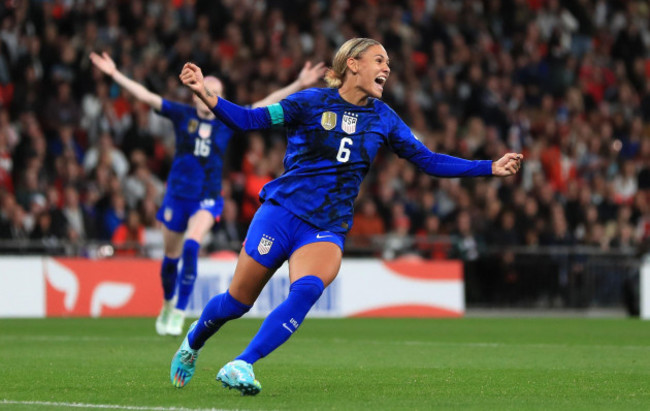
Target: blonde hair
x=353 y=48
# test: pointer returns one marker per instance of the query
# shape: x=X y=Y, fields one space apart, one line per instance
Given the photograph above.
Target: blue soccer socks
x=188 y=273
x=285 y=319
x=219 y=310
x=168 y=273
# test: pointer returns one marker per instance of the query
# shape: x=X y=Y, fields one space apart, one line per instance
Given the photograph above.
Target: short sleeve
x=174 y=111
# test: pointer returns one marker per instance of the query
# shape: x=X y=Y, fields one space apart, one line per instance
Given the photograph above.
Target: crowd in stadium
x=564 y=82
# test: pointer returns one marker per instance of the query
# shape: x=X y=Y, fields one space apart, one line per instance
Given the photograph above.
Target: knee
x=172 y=251
x=190 y=250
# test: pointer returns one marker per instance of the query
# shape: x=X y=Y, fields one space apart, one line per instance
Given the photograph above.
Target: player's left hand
x=309 y=75
x=507 y=165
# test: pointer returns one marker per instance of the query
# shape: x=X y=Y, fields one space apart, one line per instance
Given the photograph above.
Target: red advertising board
x=109 y=288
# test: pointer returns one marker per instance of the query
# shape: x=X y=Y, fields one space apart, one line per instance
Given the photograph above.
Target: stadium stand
x=564 y=82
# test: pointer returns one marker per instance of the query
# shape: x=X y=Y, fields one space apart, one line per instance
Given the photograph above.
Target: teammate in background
x=333 y=136
x=193 y=200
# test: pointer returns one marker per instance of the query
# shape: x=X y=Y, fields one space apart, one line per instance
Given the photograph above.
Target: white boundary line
x=103 y=406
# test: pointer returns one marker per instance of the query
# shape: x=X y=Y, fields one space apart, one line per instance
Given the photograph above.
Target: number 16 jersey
x=201 y=144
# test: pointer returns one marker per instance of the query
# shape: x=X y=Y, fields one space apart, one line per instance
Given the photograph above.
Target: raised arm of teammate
x=106 y=64
x=309 y=76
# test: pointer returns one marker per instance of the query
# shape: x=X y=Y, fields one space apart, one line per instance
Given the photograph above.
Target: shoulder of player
x=174 y=105
x=310 y=94
x=385 y=111
x=382 y=107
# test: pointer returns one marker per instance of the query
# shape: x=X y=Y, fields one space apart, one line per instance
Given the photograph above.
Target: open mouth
x=380 y=81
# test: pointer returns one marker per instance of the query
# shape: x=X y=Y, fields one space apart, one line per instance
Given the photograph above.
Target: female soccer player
x=333 y=137
x=193 y=200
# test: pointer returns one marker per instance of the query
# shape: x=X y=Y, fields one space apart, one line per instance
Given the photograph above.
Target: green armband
x=276 y=113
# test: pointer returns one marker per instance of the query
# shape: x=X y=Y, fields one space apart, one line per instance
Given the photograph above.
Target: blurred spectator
x=430 y=242
x=113 y=216
x=16 y=227
x=366 y=224
x=72 y=219
x=253 y=186
x=566 y=83
x=106 y=153
x=62 y=109
x=128 y=237
x=230 y=232
x=64 y=142
x=398 y=242
x=138 y=183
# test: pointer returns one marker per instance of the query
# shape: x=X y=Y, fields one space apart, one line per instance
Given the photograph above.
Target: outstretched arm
x=308 y=77
x=404 y=143
x=234 y=116
x=106 y=64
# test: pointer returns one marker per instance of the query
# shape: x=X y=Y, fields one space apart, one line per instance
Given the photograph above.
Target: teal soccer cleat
x=184 y=362
x=239 y=375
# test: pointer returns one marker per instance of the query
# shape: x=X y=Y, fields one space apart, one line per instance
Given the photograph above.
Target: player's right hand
x=104 y=62
x=192 y=77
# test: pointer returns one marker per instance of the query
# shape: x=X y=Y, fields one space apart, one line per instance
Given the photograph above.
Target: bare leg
x=249 y=279
x=322 y=260
x=172 y=243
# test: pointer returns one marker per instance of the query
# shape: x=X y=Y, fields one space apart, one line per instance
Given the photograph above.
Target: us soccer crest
x=265 y=244
x=192 y=125
x=349 y=122
x=328 y=120
x=205 y=129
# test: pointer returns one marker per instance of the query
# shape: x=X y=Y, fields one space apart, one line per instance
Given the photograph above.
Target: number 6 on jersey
x=344 y=152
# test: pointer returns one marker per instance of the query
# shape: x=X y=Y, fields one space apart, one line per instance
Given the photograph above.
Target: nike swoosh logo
x=285 y=326
x=323 y=236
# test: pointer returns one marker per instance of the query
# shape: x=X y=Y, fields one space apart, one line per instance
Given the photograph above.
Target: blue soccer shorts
x=175 y=212
x=275 y=233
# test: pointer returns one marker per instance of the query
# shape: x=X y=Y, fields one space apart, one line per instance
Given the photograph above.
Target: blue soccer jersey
x=200 y=147
x=331 y=145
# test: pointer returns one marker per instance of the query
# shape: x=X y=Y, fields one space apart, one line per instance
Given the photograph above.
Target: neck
x=353 y=95
x=206 y=115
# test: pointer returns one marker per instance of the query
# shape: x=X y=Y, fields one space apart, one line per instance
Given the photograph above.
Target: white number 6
x=344 y=153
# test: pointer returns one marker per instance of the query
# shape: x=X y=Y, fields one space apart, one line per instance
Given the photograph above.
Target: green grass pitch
x=337 y=364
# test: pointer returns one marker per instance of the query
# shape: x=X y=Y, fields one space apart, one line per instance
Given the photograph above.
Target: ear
x=353 y=65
